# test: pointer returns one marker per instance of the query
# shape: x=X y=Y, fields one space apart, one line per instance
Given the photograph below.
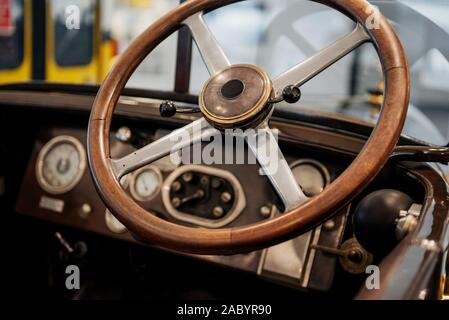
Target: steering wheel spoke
x=263 y=144
x=173 y=142
x=210 y=50
x=309 y=68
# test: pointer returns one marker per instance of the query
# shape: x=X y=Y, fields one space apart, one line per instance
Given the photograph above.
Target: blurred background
x=35 y=43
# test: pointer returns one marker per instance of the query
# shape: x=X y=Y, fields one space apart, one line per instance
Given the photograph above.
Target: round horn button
x=236 y=96
x=232 y=89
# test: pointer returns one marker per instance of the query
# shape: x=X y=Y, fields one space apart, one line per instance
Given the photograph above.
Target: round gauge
x=145 y=183
x=60 y=164
x=311 y=176
x=112 y=223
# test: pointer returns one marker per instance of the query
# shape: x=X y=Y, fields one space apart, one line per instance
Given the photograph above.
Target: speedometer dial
x=60 y=164
x=145 y=183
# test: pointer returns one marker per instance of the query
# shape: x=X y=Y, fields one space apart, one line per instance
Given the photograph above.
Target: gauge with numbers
x=60 y=164
x=146 y=183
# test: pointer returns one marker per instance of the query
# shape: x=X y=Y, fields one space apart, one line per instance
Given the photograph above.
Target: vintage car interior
x=225 y=149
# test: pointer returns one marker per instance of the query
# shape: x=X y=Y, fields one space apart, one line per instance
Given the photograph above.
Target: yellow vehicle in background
x=54 y=40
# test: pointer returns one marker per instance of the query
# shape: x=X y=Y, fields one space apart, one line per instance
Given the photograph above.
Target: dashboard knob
x=176 y=186
x=375 y=217
x=291 y=94
x=85 y=211
x=124 y=134
x=167 y=109
x=218 y=212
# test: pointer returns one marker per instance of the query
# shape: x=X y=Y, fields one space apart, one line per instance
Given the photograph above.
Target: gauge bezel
x=136 y=174
x=109 y=220
x=234 y=213
x=318 y=165
x=44 y=152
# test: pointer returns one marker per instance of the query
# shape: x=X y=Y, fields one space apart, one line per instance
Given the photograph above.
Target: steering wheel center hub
x=236 y=96
x=232 y=89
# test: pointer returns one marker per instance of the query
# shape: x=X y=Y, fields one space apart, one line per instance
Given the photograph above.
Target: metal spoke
x=173 y=142
x=309 y=68
x=211 y=52
x=265 y=148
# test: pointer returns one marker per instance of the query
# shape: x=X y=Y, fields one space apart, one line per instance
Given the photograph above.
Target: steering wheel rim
x=292 y=223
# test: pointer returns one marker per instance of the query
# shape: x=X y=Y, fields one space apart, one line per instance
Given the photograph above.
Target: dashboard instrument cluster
x=57 y=187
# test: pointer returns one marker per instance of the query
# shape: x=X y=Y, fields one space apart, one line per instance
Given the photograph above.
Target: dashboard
x=57 y=187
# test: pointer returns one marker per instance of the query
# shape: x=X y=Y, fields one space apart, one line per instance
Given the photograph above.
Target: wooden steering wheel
x=246 y=105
